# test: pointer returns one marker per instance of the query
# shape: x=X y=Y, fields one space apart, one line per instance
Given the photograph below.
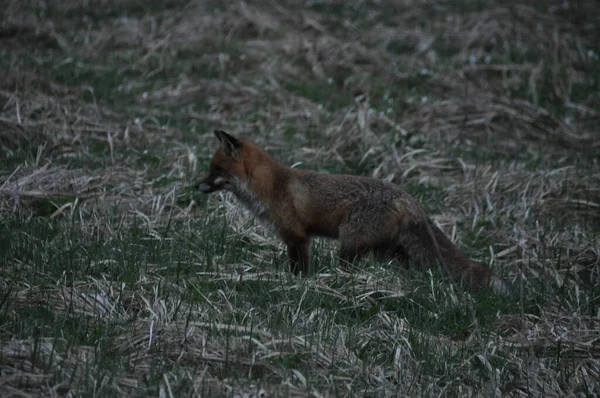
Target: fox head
x=226 y=167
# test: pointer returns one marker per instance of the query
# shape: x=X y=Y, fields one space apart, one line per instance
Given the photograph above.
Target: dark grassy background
x=117 y=278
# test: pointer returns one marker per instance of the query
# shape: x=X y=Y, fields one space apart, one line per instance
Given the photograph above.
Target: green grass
x=59 y=250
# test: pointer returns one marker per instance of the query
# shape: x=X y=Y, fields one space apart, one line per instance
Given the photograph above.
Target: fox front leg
x=298 y=255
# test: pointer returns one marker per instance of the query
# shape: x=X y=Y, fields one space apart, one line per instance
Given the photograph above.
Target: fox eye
x=219 y=169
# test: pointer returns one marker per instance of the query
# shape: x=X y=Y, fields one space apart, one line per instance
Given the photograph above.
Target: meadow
x=117 y=278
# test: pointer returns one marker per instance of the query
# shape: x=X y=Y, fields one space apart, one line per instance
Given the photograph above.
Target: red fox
x=364 y=214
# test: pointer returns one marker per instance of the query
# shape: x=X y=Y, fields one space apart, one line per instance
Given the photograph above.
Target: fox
x=366 y=215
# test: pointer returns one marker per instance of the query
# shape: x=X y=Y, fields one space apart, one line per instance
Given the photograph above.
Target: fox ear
x=231 y=145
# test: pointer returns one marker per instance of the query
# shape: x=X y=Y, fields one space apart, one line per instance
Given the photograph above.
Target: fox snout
x=210 y=184
x=202 y=187
x=207 y=185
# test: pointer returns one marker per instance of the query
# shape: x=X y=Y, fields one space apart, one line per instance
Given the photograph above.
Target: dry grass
x=117 y=278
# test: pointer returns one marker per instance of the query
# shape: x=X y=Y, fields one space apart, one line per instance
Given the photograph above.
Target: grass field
x=118 y=279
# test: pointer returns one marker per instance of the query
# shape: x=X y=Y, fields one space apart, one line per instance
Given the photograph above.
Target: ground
x=118 y=279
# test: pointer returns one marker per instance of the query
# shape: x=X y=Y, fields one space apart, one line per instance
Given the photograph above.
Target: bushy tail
x=456 y=264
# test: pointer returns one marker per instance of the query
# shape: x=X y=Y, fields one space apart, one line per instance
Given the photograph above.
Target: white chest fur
x=242 y=191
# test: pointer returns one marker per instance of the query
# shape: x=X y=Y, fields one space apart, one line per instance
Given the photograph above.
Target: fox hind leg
x=353 y=246
x=351 y=251
x=401 y=254
x=357 y=237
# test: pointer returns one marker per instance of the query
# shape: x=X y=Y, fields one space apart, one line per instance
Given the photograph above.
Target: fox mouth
x=209 y=186
x=206 y=188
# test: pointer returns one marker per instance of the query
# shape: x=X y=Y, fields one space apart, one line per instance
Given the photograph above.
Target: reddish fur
x=365 y=214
